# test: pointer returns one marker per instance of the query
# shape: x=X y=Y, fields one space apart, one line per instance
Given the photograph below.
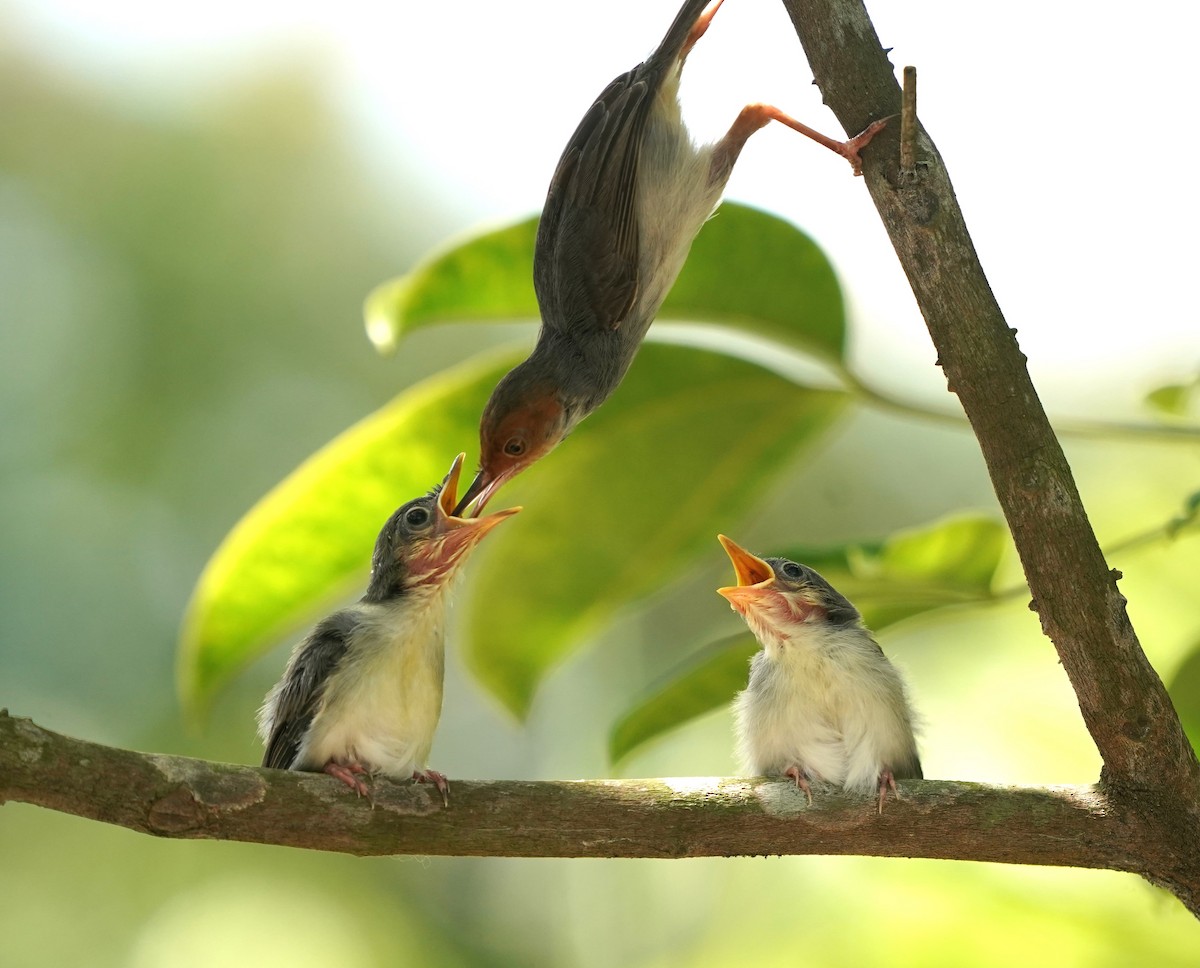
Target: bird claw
x=437 y=779
x=850 y=149
x=886 y=782
x=349 y=774
x=797 y=774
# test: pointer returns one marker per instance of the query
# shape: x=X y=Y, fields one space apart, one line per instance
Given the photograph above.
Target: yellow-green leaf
x=707 y=681
x=1185 y=694
x=949 y=562
x=1174 y=399
x=747 y=269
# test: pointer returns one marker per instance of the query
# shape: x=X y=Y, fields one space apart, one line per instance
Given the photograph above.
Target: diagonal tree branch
x=175 y=796
x=1147 y=757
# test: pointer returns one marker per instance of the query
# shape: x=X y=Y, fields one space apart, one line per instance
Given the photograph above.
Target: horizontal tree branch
x=176 y=796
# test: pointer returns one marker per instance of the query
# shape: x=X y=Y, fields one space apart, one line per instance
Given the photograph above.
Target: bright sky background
x=1064 y=126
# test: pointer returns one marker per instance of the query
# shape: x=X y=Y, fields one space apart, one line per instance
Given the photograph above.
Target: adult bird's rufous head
x=525 y=418
x=423 y=544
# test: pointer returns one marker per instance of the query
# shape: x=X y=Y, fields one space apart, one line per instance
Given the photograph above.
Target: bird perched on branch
x=823 y=702
x=629 y=195
x=363 y=692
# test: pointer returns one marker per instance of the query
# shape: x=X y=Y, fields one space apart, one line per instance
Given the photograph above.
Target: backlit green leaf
x=690 y=442
x=747 y=269
x=1185 y=694
x=485 y=278
x=707 y=681
x=949 y=562
x=1174 y=400
x=308 y=542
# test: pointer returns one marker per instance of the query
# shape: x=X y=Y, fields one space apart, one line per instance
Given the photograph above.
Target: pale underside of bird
x=823 y=703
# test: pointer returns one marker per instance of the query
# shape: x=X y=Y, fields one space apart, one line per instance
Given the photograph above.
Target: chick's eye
x=416 y=517
x=793 y=571
x=514 y=447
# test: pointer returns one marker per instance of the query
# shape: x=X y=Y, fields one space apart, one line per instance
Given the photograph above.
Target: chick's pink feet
x=349 y=774
x=437 y=779
x=797 y=774
x=886 y=782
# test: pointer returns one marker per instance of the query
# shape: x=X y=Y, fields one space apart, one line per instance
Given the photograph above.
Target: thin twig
x=908 y=121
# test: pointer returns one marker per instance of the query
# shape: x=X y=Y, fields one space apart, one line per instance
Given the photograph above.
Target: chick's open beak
x=453 y=536
x=755 y=578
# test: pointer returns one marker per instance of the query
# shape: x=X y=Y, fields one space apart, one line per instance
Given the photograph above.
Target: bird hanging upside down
x=823 y=702
x=363 y=692
x=628 y=197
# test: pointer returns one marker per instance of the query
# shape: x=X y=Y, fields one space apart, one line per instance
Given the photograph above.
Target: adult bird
x=823 y=702
x=629 y=195
x=363 y=692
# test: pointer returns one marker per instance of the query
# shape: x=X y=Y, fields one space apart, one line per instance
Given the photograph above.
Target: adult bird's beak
x=755 y=577
x=453 y=536
x=480 y=492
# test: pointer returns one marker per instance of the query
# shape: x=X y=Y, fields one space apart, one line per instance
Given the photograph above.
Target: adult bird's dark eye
x=793 y=571
x=416 y=517
x=515 y=447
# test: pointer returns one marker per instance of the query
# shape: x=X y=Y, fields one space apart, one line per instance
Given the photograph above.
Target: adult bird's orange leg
x=755 y=116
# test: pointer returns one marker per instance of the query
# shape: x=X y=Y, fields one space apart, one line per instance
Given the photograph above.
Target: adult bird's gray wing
x=298 y=697
x=585 y=264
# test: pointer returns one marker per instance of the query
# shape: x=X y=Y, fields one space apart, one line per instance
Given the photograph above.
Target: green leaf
x=308 y=543
x=485 y=277
x=1173 y=400
x=950 y=562
x=1185 y=694
x=747 y=269
x=690 y=441
x=765 y=277
x=707 y=681
x=1191 y=510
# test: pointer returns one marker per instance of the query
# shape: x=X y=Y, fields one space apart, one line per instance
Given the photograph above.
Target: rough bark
x=1148 y=762
x=174 y=796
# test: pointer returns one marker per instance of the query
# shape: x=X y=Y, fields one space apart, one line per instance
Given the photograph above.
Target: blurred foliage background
x=180 y=288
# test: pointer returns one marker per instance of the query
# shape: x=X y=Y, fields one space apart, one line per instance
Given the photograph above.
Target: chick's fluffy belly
x=381 y=707
x=825 y=700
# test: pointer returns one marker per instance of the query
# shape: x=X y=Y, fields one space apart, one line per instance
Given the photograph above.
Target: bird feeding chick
x=630 y=192
x=823 y=702
x=363 y=692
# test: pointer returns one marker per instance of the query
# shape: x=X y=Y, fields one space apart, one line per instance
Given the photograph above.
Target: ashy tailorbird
x=823 y=702
x=630 y=192
x=362 y=694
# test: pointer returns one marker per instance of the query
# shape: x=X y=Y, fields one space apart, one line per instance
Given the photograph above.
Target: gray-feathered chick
x=363 y=692
x=630 y=192
x=823 y=702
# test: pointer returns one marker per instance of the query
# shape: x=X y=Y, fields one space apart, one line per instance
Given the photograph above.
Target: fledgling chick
x=630 y=192
x=363 y=692
x=823 y=702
